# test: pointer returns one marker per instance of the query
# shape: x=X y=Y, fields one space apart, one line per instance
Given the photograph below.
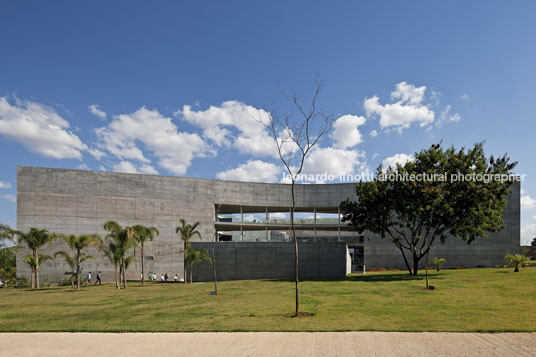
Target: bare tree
x=295 y=134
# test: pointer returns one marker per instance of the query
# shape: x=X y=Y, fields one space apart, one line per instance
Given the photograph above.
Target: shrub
x=516 y=260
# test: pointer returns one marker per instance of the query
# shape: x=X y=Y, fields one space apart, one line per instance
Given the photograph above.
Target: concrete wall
x=243 y=261
x=78 y=202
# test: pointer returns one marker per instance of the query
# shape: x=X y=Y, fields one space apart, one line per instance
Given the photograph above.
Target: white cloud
x=125 y=166
x=401 y=114
x=374 y=133
x=345 y=131
x=277 y=215
x=528 y=232
x=128 y=167
x=96 y=153
x=127 y=134
x=234 y=124
x=334 y=161
x=447 y=116
x=396 y=159
x=522 y=191
x=464 y=97
x=4 y=184
x=96 y=110
x=252 y=171
x=534 y=217
x=39 y=129
x=9 y=198
x=82 y=167
x=527 y=202
x=408 y=93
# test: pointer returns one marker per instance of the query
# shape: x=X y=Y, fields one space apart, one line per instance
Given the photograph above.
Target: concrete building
x=248 y=221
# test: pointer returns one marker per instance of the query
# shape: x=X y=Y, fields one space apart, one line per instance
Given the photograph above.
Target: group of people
x=163 y=277
x=151 y=276
x=98 y=281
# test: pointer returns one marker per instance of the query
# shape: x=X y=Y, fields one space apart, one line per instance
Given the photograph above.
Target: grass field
x=464 y=300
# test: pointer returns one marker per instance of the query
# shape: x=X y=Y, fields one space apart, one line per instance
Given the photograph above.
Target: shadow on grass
x=373 y=278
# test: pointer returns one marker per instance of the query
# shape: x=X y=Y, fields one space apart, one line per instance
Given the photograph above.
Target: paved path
x=268 y=344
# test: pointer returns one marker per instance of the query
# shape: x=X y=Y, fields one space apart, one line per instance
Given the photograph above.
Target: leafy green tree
x=35 y=263
x=516 y=261
x=187 y=232
x=141 y=235
x=438 y=262
x=123 y=241
x=77 y=243
x=530 y=251
x=74 y=265
x=8 y=265
x=35 y=239
x=195 y=257
x=414 y=214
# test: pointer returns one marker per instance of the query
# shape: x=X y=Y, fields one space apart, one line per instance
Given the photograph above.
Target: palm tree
x=77 y=243
x=516 y=260
x=34 y=240
x=35 y=263
x=72 y=262
x=6 y=234
x=141 y=235
x=187 y=231
x=438 y=262
x=112 y=253
x=196 y=257
x=123 y=241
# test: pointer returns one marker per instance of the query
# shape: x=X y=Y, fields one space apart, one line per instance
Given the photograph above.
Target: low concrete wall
x=242 y=261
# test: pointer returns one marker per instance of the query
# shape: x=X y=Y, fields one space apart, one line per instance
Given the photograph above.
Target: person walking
x=88 y=278
x=176 y=278
x=166 y=277
x=162 y=278
x=98 y=280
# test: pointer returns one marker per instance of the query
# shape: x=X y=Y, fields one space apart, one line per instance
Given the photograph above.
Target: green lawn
x=464 y=300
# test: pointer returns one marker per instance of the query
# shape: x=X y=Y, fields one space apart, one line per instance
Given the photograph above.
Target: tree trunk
x=142 y=270
x=184 y=263
x=116 y=279
x=214 y=272
x=415 y=264
x=405 y=259
x=295 y=248
x=124 y=276
x=78 y=269
x=72 y=282
x=36 y=269
x=516 y=270
x=426 y=266
x=191 y=269
x=32 y=278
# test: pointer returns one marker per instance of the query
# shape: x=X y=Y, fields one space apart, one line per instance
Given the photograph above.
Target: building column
x=314 y=224
x=266 y=223
x=339 y=224
x=241 y=224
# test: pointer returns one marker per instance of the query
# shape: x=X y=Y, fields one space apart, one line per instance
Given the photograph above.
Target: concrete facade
x=246 y=261
x=78 y=202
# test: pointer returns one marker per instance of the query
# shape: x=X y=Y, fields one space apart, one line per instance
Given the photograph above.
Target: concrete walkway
x=268 y=344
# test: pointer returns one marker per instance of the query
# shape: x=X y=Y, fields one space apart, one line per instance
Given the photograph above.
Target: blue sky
x=170 y=87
